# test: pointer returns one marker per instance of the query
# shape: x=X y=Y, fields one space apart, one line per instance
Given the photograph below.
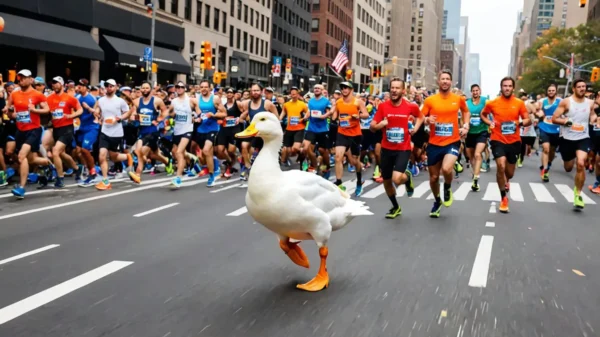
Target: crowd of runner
x=96 y=133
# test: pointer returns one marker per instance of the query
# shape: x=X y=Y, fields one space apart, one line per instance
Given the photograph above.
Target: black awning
x=131 y=52
x=39 y=35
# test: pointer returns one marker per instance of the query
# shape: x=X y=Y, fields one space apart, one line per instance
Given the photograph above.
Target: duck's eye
x=263 y=119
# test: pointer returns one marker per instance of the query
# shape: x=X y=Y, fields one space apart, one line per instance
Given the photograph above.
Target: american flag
x=341 y=59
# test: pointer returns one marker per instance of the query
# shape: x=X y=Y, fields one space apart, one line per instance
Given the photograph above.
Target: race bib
x=344 y=123
x=548 y=119
x=596 y=127
x=294 y=120
x=578 y=128
x=366 y=123
x=203 y=116
x=57 y=114
x=316 y=113
x=444 y=129
x=411 y=125
x=229 y=122
x=508 y=128
x=181 y=118
x=23 y=117
x=475 y=121
x=145 y=120
x=395 y=135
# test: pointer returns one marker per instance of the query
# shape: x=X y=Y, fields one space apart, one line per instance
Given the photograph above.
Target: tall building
x=575 y=15
x=593 y=10
x=473 y=72
x=451 y=20
x=450 y=57
x=291 y=40
x=398 y=35
x=368 y=40
x=426 y=35
x=463 y=50
x=331 y=25
x=545 y=13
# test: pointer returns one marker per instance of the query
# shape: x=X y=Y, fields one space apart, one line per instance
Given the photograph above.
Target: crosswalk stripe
x=374 y=192
x=541 y=193
x=462 y=192
x=567 y=192
x=238 y=212
x=430 y=196
x=351 y=190
x=421 y=189
x=492 y=192
x=515 y=192
x=401 y=191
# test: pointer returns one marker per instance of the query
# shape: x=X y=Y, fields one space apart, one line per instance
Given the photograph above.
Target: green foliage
x=584 y=41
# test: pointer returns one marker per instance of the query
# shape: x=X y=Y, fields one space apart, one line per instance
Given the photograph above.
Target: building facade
x=425 y=43
x=463 y=50
x=50 y=39
x=332 y=23
x=290 y=39
x=368 y=40
x=398 y=36
x=473 y=72
x=593 y=10
x=451 y=20
x=450 y=57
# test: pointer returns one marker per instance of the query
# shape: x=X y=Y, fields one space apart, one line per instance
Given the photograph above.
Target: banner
x=288 y=65
x=276 y=66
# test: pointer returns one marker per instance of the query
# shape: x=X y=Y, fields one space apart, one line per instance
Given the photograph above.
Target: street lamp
x=151 y=6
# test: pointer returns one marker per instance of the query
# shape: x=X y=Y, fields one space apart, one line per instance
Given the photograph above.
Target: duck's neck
x=268 y=157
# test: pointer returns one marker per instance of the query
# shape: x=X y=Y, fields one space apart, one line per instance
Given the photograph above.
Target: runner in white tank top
x=574 y=115
x=182 y=110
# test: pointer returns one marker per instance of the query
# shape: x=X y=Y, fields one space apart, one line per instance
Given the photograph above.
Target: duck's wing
x=320 y=192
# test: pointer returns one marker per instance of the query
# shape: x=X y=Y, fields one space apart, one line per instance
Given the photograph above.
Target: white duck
x=296 y=205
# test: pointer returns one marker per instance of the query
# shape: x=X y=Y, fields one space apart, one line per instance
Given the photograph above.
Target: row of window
x=217 y=25
x=254 y=17
x=330 y=51
x=379 y=9
x=339 y=14
x=368 y=41
x=336 y=32
x=248 y=43
x=294 y=19
x=281 y=9
x=295 y=60
x=370 y=21
x=284 y=36
x=257 y=69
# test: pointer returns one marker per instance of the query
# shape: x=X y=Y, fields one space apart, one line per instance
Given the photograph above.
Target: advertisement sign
x=276 y=66
x=288 y=65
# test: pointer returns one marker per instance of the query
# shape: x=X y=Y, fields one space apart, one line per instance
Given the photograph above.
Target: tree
x=583 y=41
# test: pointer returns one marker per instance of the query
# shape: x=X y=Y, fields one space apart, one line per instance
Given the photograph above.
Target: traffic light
x=205 y=55
x=154 y=68
x=349 y=74
x=376 y=72
x=595 y=74
x=582 y=3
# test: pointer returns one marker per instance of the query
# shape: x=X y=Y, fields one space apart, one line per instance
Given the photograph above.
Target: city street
x=81 y=262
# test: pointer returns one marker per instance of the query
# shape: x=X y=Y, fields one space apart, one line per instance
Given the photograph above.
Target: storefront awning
x=130 y=52
x=39 y=35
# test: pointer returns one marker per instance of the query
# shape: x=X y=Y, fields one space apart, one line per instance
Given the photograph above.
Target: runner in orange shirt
x=349 y=137
x=506 y=134
x=441 y=112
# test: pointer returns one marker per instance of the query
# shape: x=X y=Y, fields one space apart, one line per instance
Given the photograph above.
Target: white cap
x=110 y=82
x=125 y=88
x=25 y=73
x=59 y=80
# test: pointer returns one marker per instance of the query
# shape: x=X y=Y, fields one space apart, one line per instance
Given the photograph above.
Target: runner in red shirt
x=64 y=108
x=29 y=129
x=392 y=117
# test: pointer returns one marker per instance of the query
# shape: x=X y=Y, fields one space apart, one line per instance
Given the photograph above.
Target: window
x=245 y=41
x=269 y=4
x=216 y=19
x=232 y=8
x=231 y=31
x=246 y=14
x=262 y=23
x=174 y=6
x=187 y=10
x=316 y=5
x=252 y=16
x=192 y=47
x=224 y=23
x=199 y=12
x=207 y=16
x=315 y=25
x=268 y=24
x=239 y=9
x=251 y=44
x=161 y=4
x=239 y=38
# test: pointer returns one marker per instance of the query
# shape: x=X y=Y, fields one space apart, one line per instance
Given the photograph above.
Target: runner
x=297 y=114
x=506 y=138
x=317 y=131
x=441 y=112
x=349 y=137
x=392 y=117
x=226 y=142
x=528 y=134
x=574 y=115
x=113 y=110
x=87 y=134
x=29 y=129
x=478 y=135
x=595 y=135
x=182 y=109
x=549 y=133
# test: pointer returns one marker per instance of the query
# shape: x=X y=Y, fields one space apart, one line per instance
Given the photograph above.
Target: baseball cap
x=84 y=82
x=59 y=80
x=111 y=82
x=269 y=89
x=337 y=91
x=346 y=84
x=125 y=88
x=38 y=80
x=24 y=72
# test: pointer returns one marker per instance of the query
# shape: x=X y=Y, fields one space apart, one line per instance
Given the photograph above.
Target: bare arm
x=221 y=112
x=562 y=107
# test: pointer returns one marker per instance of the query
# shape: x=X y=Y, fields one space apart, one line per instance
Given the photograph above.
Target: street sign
x=147 y=54
x=561 y=74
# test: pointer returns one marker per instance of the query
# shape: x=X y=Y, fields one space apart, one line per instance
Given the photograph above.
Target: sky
x=492 y=24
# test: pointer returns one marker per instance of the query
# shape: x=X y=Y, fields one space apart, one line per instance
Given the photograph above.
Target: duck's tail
x=357 y=208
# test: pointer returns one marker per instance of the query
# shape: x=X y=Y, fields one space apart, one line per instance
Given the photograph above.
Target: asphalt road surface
x=148 y=261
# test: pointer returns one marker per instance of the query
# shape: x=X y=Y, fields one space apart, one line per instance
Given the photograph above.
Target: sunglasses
x=179 y=87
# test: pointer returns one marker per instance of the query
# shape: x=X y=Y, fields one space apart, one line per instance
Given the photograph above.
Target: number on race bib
x=23 y=117
x=395 y=135
x=181 y=118
x=294 y=120
x=444 y=129
x=316 y=113
x=508 y=128
x=548 y=119
x=344 y=123
x=57 y=114
x=229 y=122
x=475 y=121
x=203 y=116
x=578 y=128
x=145 y=120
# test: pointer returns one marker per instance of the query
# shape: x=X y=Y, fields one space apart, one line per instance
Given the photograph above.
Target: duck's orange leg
x=294 y=252
x=320 y=281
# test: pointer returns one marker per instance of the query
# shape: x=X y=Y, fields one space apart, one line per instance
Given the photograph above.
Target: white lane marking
x=375 y=192
x=490 y=224
x=35 y=301
x=430 y=197
x=462 y=192
x=515 y=192
x=350 y=186
x=7 y=195
x=102 y=196
x=421 y=189
x=541 y=193
x=238 y=212
x=31 y=252
x=481 y=266
x=493 y=207
x=567 y=192
x=400 y=191
x=225 y=188
x=492 y=192
x=156 y=209
x=365 y=184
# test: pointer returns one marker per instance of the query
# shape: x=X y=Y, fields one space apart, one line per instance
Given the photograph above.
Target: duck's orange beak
x=249 y=132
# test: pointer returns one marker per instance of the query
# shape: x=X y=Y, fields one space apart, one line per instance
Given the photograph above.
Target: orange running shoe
x=504 y=205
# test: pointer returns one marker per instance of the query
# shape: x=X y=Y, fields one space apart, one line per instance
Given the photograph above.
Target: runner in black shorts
x=226 y=141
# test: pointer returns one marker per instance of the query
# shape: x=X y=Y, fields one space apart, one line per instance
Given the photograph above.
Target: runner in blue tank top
x=211 y=109
x=317 y=131
x=150 y=112
x=255 y=104
x=549 y=133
